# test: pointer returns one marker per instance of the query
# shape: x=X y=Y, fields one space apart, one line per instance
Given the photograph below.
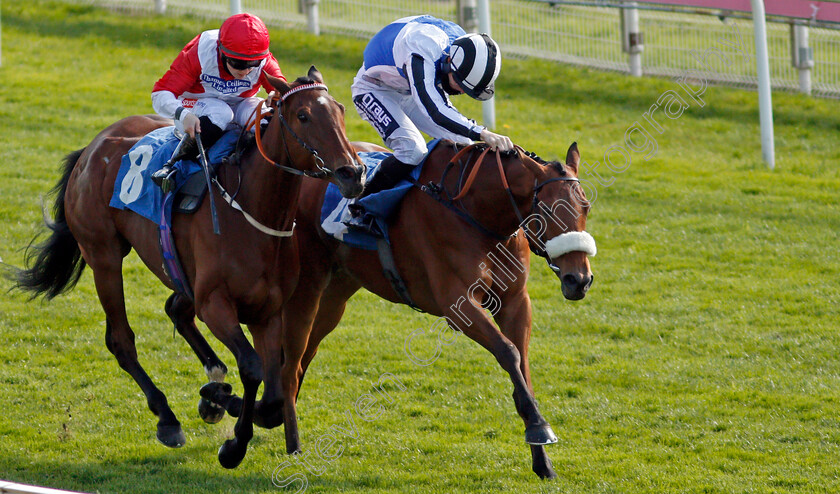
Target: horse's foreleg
x=119 y=339
x=268 y=341
x=219 y=314
x=480 y=329
x=330 y=311
x=514 y=319
x=299 y=314
x=181 y=311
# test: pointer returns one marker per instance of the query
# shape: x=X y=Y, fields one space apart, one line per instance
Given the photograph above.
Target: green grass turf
x=703 y=359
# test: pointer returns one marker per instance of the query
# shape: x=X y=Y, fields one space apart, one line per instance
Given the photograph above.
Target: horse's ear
x=315 y=75
x=279 y=84
x=573 y=157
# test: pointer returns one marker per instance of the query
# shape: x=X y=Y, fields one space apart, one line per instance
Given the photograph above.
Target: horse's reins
x=253 y=122
x=474 y=171
x=471 y=178
x=323 y=172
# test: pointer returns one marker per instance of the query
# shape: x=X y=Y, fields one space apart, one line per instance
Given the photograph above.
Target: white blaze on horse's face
x=323 y=100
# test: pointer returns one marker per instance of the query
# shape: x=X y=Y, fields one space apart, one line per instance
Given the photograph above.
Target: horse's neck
x=268 y=193
x=488 y=202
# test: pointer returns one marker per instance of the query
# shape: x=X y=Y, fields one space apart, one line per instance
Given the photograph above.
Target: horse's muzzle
x=575 y=285
x=349 y=180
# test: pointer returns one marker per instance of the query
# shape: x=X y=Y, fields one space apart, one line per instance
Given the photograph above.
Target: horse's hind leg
x=107 y=275
x=181 y=311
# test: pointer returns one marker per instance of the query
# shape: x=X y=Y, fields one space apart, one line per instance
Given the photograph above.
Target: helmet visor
x=484 y=94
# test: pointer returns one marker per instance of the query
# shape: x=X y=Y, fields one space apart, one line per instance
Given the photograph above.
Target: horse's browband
x=303 y=87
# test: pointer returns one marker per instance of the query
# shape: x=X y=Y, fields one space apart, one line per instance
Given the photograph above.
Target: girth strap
x=171 y=263
x=389 y=269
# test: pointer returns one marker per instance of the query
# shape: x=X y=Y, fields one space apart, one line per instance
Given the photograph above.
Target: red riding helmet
x=244 y=36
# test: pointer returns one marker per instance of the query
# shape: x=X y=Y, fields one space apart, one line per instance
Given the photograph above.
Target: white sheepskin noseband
x=570 y=242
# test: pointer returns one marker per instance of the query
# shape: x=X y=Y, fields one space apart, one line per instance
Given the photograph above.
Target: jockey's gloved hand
x=186 y=121
x=496 y=142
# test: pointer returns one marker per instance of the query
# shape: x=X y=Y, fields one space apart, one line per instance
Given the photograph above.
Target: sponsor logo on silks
x=226 y=87
x=376 y=114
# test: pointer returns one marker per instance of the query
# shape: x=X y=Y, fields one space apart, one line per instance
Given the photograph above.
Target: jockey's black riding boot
x=391 y=171
x=210 y=133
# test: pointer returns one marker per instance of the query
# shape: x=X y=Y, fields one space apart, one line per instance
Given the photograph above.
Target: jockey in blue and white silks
x=410 y=68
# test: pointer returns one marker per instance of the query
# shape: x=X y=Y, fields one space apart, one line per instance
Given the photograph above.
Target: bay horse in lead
x=443 y=256
x=241 y=276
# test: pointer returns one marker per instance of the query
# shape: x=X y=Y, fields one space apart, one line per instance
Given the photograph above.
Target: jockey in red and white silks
x=203 y=82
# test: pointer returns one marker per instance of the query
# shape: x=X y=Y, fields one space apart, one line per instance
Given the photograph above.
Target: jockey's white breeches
x=224 y=115
x=399 y=120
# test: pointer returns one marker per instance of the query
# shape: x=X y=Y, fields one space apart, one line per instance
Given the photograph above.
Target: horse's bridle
x=257 y=117
x=323 y=171
x=536 y=205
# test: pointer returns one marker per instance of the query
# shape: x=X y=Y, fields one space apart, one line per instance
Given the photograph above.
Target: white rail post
x=312 y=22
x=631 y=38
x=467 y=16
x=801 y=55
x=488 y=107
x=235 y=7
x=765 y=101
x=160 y=7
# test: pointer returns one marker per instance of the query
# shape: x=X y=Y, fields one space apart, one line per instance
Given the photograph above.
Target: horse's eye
x=302 y=116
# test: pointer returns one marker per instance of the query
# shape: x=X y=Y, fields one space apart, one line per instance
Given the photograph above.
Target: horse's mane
x=561 y=168
x=247 y=140
x=556 y=164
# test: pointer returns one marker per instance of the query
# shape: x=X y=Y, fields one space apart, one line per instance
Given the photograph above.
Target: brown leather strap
x=255 y=124
x=472 y=175
x=474 y=172
x=501 y=170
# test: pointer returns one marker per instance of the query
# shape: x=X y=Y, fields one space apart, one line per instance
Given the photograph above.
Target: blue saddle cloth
x=335 y=212
x=134 y=188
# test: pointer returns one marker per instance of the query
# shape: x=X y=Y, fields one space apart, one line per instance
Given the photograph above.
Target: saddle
x=364 y=223
x=189 y=197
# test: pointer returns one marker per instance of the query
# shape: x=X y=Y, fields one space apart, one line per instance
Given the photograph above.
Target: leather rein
x=434 y=190
x=276 y=109
x=253 y=122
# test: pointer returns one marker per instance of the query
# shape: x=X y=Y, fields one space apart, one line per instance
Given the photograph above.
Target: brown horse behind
x=471 y=270
x=241 y=276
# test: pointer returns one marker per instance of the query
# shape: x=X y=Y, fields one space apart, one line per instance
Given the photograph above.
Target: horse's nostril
x=345 y=173
x=570 y=280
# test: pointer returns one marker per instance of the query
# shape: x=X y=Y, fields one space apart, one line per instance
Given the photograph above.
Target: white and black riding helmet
x=475 y=60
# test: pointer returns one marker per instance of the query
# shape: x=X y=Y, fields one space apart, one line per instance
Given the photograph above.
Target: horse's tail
x=56 y=264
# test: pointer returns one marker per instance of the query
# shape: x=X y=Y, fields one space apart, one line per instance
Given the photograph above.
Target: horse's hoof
x=216 y=392
x=210 y=412
x=171 y=436
x=269 y=416
x=229 y=455
x=539 y=435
